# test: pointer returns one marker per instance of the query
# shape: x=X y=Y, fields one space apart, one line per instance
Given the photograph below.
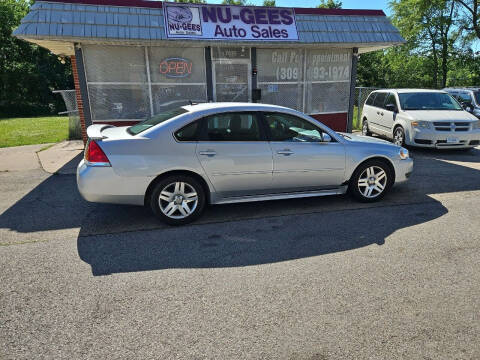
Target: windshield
x=157 y=119
x=477 y=96
x=428 y=101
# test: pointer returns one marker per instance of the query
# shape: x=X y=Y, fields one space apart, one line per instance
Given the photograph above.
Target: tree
x=270 y=3
x=28 y=73
x=330 y=4
x=471 y=12
x=428 y=27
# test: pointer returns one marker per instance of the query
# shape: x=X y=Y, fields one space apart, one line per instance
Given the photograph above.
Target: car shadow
x=250 y=242
x=115 y=238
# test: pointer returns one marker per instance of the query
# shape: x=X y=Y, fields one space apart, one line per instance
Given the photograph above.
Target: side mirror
x=391 y=107
x=326 y=138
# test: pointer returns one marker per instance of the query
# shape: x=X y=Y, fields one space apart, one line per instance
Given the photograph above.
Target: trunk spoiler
x=94 y=132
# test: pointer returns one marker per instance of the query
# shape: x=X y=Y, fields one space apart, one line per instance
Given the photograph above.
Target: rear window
x=155 y=120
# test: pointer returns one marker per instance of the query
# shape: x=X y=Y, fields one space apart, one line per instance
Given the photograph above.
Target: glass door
x=231 y=75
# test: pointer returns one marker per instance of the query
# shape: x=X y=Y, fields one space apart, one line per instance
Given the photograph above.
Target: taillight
x=95 y=156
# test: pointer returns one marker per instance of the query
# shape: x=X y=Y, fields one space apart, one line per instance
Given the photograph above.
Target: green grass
x=36 y=130
x=356 y=124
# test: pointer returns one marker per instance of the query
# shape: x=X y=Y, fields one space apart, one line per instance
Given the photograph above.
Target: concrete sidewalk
x=53 y=159
x=57 y=158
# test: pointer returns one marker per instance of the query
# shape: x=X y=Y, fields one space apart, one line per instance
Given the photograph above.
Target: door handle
x=208 y=153
x=285 y=152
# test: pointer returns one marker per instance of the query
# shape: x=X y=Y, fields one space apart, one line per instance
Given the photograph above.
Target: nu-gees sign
x=223 y=22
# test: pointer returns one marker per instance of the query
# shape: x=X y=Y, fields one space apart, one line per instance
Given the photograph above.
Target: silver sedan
x=216 y=153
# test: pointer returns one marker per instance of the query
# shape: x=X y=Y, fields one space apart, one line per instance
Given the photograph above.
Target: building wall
x=127 y=84
x=78 y=95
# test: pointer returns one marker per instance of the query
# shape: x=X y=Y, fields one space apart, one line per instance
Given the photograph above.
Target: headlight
x=403 y=153
x=421 y=124
x=476 y=124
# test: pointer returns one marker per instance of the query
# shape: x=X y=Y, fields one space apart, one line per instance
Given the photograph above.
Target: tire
x=399 y=136
x=363 y=180
x=365 y=130
x=177 y=204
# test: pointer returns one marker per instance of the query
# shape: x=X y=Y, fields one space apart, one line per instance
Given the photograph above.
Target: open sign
x=175 y=67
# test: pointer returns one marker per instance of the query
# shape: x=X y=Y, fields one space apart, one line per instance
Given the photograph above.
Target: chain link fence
x=74 y=127
x=361 y=94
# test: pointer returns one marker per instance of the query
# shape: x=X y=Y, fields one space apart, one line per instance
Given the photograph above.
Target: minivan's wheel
x=371 y=181
x=177 y=200
x=365 y=130
x=399 y=136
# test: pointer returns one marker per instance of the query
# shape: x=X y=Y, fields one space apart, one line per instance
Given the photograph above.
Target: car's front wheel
x=177 y=200
x=371 y=181
x=399 y=136
x=365 y=130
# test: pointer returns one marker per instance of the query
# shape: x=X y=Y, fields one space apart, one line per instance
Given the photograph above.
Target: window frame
x=320 y=129
x=372 y=95
x=202 y=129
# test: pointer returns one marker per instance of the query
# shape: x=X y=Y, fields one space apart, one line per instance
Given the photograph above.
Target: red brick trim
x=336 y=121
x=79 y=98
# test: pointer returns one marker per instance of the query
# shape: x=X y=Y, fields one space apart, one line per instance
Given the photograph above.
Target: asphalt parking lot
x=320 y=278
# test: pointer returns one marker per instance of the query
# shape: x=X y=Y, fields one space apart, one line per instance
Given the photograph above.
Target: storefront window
x=280 y=77
x=119 y=87
x=178 y=77
x=166 y=97
x=110 y=102
x=134 y=82
x=115 y=63
x=328 y=81
x=117 y=82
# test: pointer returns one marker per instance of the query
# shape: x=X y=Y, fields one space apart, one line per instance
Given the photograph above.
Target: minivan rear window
x=155 y=120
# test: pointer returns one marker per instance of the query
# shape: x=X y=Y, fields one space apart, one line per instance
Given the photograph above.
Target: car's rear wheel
x=371 y=181
x=365 y=130
x=399 y=136
x=178 y=200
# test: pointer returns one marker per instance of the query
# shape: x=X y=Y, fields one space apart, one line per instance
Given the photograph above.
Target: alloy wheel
x=365 y=128
x=398 y=137
x=178 y=200
x=372 y=182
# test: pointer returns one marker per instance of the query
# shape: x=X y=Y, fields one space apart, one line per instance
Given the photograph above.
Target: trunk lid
x=104 y=131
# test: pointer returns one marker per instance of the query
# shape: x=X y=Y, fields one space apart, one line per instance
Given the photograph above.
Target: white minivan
x=418 y=117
